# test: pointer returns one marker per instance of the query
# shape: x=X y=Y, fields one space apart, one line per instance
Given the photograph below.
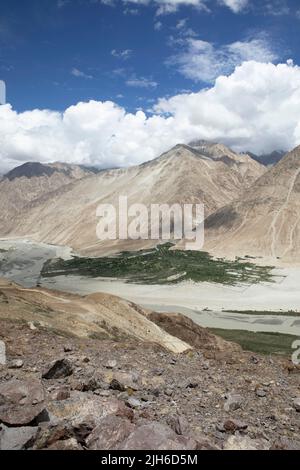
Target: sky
x=117 y=82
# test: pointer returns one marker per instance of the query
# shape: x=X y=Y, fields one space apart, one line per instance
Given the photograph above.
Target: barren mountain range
x=31 y=181
x=214 y=176
x=265 y=221
x=100 y=372
x=250 y=209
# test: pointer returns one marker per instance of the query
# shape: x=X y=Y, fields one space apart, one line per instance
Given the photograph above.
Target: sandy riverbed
x=190 y=299
x=23 y=260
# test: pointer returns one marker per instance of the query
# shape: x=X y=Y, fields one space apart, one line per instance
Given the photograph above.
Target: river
x=22 y=260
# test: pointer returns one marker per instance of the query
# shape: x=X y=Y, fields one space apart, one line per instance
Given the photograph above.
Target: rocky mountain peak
x=30 y=170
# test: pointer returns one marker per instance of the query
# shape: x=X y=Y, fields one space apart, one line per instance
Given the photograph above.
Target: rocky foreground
x=64 y=392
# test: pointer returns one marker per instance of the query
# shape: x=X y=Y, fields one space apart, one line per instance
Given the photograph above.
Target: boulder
x=16 y=364
x=238 y=442
x=134 y=403
x=232 y=425
x=156 y=436
x=62 y=393
x=90 y=385
x=116 y=385
x=82 y=407
x=16 y=438
x=49 y=434
x=260 y=392
x=111 y=364
x=296 y=404
x=21 y=401
x=179 y=424
x=233 y=402
x=286 y=444
x=59 y=369
x=111 y=431
x=68 y=444
x=125 y=380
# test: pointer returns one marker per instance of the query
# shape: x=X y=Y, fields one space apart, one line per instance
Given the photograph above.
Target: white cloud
x=183 y=31
x=164 y=6
x=181 y=24
x=255 y=108
x=141 y=82
x=158 y=25
x=123 y=54
x=202 y=61
x=110 y=3
x=235 y=5
x=79 y=74
x=172 y=6
x=277 y=8
x=62 y=3
x=131 y=11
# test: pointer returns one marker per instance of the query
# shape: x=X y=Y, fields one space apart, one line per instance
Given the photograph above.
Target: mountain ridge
x=181 y=175
x=270 y=208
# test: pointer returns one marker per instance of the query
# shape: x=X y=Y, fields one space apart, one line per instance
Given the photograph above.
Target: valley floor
x=108 y=376
x=191 y=299
x=23 y=260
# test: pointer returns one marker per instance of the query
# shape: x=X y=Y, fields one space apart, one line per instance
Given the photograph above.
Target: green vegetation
x=161 y=265
x=289 y=313
x=263 y=343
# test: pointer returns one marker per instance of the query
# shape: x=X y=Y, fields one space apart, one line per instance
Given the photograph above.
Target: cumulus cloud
x=202 y=61
x=256 y=108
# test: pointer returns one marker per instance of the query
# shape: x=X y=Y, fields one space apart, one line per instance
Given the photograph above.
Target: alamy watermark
x=2 y=92
x=155 y=222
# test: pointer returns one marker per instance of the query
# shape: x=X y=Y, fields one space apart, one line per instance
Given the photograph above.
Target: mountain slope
x=28 y=182
x=101 y=316
x=266 y=220
x=249 y=168
x=182 y=175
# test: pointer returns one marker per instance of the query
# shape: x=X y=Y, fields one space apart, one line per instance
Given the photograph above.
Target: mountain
x=265 y=221
x=32 y=180
x=220 y=152
x=30 y=170
x=35 y=170
x=184 y=174
x=268 y=158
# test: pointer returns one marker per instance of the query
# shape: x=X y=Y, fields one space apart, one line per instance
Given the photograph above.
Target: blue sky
x=54 y=53
x=117 y=82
